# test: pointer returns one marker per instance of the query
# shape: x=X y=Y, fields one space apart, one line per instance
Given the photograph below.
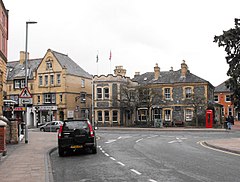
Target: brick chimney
x=156 y=72
x=184 y=69
x=22 y=57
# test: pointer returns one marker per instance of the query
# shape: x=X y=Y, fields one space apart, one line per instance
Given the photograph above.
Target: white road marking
x=107 y=154
x=152 y=136
x=121 y=163
x=112 y=158
x=110 y=141
x=119 y=137
x=172 y=141
x=226 y=152
x=135 y=171
x=139 y=140
x=152 y=180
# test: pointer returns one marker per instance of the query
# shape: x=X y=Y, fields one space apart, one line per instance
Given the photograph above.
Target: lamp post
x=26 y=77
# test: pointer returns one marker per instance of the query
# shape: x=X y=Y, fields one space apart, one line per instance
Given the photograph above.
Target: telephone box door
x=209 y=119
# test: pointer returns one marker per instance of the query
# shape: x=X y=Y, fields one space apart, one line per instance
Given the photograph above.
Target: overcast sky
x=139 y=33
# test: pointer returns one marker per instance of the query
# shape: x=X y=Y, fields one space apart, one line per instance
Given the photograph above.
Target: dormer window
x=49 y=64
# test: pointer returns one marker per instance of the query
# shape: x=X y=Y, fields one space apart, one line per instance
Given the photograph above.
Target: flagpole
x=110 y=59
x=97 y=62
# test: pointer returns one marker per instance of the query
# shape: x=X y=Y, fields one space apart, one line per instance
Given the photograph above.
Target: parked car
x=76 y=135
x=51 y=126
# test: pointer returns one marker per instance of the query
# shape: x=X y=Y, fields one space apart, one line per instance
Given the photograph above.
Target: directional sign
x=25 y=93
x=25 y=101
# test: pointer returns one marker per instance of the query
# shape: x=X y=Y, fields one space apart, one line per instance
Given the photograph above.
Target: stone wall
x=12 y=132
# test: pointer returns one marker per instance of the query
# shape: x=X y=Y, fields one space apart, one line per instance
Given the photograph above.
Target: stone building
x=60 y=88
x=175 y=97
x=3 y=52
x=108 y=108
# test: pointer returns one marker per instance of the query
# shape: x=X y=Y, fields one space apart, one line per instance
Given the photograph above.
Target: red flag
x=110 y=57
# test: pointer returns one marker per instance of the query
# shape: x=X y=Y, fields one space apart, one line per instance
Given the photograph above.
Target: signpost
x=25 y=97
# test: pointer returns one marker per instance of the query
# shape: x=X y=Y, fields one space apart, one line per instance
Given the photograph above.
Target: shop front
x=45 y=114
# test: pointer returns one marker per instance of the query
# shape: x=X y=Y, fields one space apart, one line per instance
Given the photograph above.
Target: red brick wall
x=2 y=139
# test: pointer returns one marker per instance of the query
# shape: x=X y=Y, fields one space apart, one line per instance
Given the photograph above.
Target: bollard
x=3 y=148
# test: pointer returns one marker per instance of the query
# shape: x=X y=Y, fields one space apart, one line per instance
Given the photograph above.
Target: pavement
x=31 y=162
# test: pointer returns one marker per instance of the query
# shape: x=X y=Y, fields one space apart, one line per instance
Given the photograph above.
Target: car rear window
x=72 y=125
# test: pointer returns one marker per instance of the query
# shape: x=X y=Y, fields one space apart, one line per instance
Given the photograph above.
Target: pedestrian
x=229 y=122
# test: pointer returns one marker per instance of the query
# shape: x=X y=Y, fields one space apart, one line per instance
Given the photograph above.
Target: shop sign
x=19 y=109
x=47 y=108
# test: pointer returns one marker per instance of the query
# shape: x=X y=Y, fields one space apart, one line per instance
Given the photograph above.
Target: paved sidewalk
x=29 y=162
x=229 y=145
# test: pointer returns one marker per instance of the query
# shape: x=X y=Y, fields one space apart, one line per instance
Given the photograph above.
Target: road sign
x=25 y=101
x=25 y=93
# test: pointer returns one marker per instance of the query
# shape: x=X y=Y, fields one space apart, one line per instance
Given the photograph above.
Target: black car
x=76 y=135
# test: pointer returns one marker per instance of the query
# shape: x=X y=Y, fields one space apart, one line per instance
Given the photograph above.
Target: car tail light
x=60 y=131
x=90 y=129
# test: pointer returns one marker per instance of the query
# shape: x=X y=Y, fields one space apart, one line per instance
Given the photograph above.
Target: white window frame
x=114 y=115
x=52 y=79
x=58 y=79
x=167 y=94
x=167 y=116
x=188 y=92
x=83 y=83
x=106 y=116
x=46 y=80
x=188 y=115
x=40 y=77
x=227 y=97
x=106 y=94
x=216 y=98
x=99 y=93
x=17 y=83
x=230 y=111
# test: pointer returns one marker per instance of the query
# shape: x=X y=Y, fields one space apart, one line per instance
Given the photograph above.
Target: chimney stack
x=22 y=57
x=184 y=69
x=156 y=72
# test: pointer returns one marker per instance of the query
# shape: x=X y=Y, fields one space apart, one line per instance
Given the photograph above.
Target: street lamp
x=26 y=77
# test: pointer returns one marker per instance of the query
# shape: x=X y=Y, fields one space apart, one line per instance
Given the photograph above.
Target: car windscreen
x=72 y=125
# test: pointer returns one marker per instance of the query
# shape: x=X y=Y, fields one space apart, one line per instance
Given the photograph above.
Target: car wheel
x=42 y=129
x=94 y=150
x=60 y=152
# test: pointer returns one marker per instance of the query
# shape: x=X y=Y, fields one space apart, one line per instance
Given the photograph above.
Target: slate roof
x=72 y=67
x=17 y=70
x=222 y=88
x=167 y=77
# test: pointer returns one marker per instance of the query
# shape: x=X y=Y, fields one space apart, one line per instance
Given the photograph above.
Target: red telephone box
x=209 y=118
